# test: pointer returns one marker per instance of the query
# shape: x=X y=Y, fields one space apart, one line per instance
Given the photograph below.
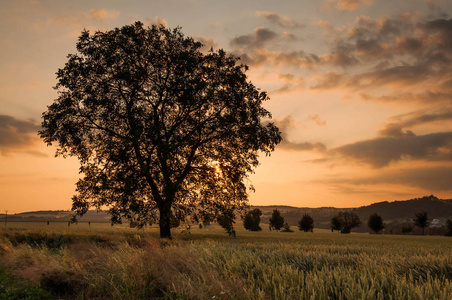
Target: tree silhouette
x=449 y=227
x=421 y=220
x=337 y=223
x=276 y=220
x=158 y=126
x=350 y=221
x=375 y=222
x=252 y=220
x=306 y=223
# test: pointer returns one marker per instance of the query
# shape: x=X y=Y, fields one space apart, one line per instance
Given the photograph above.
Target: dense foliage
x=276 y=220
x=252 y=220
x=375 y=222
x=350 y=220
x=306 y=223
x=337 y=223
x=159 y=128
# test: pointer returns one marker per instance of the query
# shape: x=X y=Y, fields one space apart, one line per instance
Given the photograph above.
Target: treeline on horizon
x=397 y=214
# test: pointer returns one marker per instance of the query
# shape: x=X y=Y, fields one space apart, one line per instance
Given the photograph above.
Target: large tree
x=160 y=129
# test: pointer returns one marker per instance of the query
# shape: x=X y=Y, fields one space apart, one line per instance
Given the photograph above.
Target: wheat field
x=102 y=262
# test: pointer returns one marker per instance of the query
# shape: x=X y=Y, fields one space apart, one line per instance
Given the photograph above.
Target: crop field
x=40 y=261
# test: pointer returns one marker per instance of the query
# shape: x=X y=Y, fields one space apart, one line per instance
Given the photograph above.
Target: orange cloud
x=284 y=126
x=347 y=5
x=157 y=21
x=82 y=20
x=208 y=43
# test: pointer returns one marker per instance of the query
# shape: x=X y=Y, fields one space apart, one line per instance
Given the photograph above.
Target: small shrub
x=62 y=283
x=407 y=229
x=11 y=290
x=286 y=228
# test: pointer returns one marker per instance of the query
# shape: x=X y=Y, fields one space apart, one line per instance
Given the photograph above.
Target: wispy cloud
x=99 y=15
x=432 y=178
x=257 y=39
x=347 y=5
x=279 y=20
x=18 y=135
x=208 y=43
x=401 y=124
x=381 y=151
x=156 y=21
x=285 y=125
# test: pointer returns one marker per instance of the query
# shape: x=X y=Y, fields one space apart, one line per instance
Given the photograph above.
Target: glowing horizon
x=361 y=91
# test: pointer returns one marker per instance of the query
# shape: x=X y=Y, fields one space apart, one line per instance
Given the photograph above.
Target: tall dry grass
x=209 y=265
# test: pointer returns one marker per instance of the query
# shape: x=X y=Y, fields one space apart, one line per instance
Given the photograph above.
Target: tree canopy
x=276 y=220
x=306 y=223
x=350 y=220
x=337 y=223
x=159 y=128
x=252 y=220
x=375 y=222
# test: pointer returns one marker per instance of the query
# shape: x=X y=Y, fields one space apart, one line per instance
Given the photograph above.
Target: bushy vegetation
x=276 y=221
x=306 y=223
x=207 y=264
x=375 y=223
x=252 y=220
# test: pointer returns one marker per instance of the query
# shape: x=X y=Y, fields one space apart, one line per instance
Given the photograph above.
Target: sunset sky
x=361 y=90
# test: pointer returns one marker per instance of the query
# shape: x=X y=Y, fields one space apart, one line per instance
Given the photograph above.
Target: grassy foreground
x=51 y=262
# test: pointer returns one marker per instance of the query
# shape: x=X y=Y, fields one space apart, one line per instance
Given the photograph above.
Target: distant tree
x=252 y=220
x=276 y=220
x=286 y=228
x=158 y=126
x=306 y=223
x=421 y=220
x=337 y=223
x=350 y=221
x=375 y=222
x=226 y=220
x=449 y=227
x=407 y=229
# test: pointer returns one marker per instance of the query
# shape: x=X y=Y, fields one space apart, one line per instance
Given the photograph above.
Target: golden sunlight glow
x=364 y=123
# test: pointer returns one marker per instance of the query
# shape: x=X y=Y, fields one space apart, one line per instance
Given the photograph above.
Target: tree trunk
x=165 y=221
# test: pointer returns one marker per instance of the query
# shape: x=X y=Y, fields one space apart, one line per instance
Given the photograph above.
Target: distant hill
x=57 y=216
x=390 y=211
x=435 y=208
